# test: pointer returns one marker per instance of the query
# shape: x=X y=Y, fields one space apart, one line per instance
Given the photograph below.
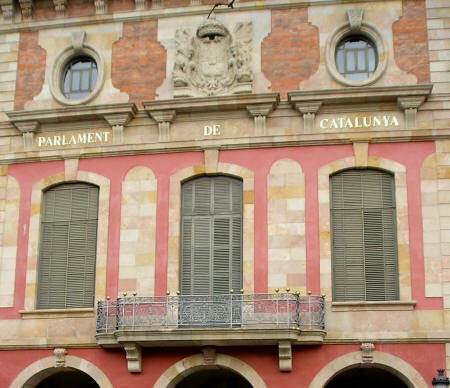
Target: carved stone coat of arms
x=213 y=62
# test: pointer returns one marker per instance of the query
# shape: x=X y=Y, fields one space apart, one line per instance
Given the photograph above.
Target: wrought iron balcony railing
x=280 y=310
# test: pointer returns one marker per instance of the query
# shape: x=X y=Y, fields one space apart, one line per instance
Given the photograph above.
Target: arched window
x=211 y=236
x=67 y=251
x=363 y=236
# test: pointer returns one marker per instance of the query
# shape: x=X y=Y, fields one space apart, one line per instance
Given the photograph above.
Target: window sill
x=394 y=305
x=57 y=313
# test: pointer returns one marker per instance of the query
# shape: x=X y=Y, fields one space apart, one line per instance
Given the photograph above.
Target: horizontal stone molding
x=71 y=113
x=211 y=337
x=57 y=313
x=395 y=305
x=211 y=104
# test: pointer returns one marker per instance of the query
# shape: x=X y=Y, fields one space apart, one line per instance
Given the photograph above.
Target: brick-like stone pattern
x=138 y=61
x=9 y=224
x=30 y=69
x=410 y=40
x=76 y=8
x=438 y=23
x=9 y=44
x=137 y=232
x=285 y=69
x=431 y=227
x=120 y=6
x=286 y=226
x=443 y=202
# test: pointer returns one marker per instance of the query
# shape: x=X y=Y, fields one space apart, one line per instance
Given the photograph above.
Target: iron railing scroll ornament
x=280 y=310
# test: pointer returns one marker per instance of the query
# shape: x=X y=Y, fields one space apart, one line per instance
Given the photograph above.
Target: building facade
x=199 y=195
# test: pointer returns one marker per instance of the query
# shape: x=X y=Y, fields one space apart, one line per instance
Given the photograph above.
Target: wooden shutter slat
x=68 y=247
x=211 y=245
x=364 y=247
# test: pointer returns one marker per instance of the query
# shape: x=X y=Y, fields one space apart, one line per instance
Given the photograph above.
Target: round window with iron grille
x=79 y=78
x=356 y=58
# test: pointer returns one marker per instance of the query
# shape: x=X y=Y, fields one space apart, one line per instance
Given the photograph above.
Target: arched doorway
x=68 y=378
x=214 y=378
x=365 y=378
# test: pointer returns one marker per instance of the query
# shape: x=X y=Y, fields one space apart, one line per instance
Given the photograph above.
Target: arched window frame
x=211 y=235
x=66 y=278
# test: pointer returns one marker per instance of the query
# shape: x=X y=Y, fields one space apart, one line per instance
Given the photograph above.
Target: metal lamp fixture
x=440 y=381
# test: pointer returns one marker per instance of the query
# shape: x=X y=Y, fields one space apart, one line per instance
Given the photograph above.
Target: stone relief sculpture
x=211 y=61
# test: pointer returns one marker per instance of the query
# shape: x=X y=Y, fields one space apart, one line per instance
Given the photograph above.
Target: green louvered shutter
x=66 y=272
x=211 y=246
x=364 y=241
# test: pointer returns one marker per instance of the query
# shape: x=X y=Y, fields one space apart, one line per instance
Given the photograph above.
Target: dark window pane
x=79 y=78
x=356 y=58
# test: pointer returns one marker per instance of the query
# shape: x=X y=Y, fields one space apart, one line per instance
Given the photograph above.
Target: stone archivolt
x=213 y=62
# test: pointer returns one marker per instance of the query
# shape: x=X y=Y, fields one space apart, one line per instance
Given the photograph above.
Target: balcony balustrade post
x=134 y=310
x=107 y=315
x=117 y=313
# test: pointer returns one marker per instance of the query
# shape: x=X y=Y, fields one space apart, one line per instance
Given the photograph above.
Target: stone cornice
x=152 y=13
x=211 y=104
x=363 y=94
x=213 y=337
x=71 y=113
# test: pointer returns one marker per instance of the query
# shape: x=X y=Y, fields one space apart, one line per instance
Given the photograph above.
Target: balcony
x=282 y=319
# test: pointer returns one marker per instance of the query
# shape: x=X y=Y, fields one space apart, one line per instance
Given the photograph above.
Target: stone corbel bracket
x=100 y=6
x=28 y=128
x=134 y=357
x=7 y=10
x=60 y=357
x=408 y=97
x=117 y=122
x=140 y=5
x=163 y=118
x=355 y=16
x=60 y=8
x=367 y=349
x=27 y=9
x=308 y=111
x=28 y=122
x=410 y=104
x=260 y=112
x=285 y=356
x=157 y=3
x=164 y=111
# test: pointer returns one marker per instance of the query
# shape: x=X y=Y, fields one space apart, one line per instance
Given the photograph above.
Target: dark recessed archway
x=214 y=378
x=68 y=379
x=366 y=378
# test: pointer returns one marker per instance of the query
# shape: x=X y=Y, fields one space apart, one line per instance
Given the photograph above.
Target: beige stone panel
x=328 y=18
x=431 y=227
x=138 y=232
x=10 y=191
x=174 y=220
x=100 y=37
x=286 y=225
x=9 y=48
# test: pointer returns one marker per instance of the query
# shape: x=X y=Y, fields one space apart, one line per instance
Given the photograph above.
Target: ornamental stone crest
x=213 y=62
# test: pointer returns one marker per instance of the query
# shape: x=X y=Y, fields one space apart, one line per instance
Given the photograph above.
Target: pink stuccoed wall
x=411 y=155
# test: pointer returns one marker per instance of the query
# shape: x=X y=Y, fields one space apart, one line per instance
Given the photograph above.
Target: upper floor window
x=211 y=236
x=80 y=77
x=67 y=251
x=356 y=58
x=363 y=236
